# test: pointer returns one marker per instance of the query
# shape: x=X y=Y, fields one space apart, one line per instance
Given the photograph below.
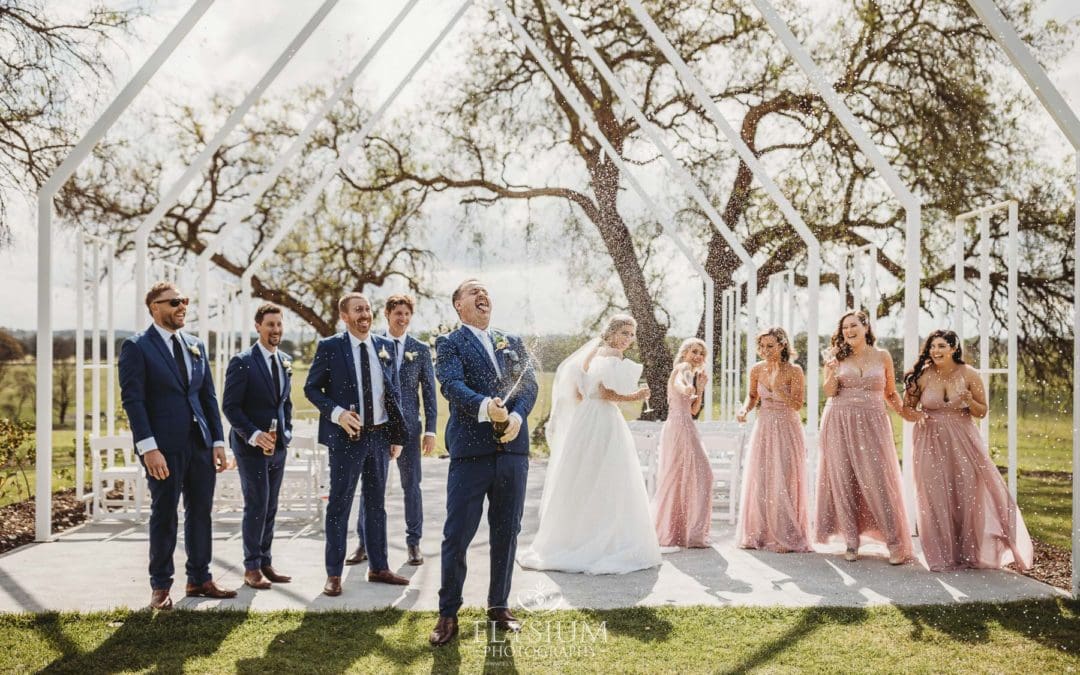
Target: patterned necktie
x=178 y=355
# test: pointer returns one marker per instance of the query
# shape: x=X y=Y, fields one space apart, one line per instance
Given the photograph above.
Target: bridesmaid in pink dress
x=859 y=493
x=966 y=516
x=682 y=507
x=774 y=509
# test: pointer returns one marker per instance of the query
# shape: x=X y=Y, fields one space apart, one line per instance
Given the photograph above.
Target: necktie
x=275 y=372
x=178 y=356
x=365 y=384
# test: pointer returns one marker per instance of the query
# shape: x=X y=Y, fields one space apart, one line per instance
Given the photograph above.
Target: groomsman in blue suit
x=257 y=403
x=168 y=395
x=416 y=377
x=487 y=377
x=352 y=383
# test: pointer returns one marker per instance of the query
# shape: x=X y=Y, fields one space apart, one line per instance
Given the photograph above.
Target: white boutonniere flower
x=383 y=354
x=194 y=349
x=409 y=356
x=287 y=365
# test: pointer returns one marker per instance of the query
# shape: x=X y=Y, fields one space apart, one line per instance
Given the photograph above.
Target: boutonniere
x=287 y=365
x=383 y=354
x=195 y=352
x=501 y=342
x=409 y=356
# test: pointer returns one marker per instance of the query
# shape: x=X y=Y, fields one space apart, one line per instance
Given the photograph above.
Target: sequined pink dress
x=774 y=507
x=682 y=506
x=859 y=494
x=966 y=516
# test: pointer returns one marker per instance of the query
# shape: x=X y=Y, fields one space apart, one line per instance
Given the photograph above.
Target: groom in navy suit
x=168 y=396
x=488 y=439
x=416 y=377
x=255 y=400
x=352 y=383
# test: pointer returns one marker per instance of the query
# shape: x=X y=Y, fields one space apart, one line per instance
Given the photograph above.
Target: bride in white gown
x=594 y=512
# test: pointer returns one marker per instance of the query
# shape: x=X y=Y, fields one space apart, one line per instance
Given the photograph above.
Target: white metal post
x=984 y=317
x=1013 y=328
x=80 y=362
x=110 y=346
x=95 y=346
x=959 y=282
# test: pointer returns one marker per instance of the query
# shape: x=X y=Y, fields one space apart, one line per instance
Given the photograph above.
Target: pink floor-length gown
x=682 y=507
x=966 y=516
x=774 y=509
x=859 y=495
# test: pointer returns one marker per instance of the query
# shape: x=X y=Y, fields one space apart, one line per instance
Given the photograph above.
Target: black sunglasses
x=175 y=302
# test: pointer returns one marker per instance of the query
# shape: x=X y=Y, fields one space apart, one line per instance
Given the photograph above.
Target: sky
x=235 y=43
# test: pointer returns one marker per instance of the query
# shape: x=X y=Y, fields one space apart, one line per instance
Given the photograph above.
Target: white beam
x=142 y=233
x=911 y=204
x=43 y=401
x=1066 y=119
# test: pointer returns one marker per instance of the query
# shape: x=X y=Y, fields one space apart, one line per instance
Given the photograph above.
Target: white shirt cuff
x=482 y=416
x=219 y=444
x=514 y=414
x=146 y=445
x=429 y=433
x=254 y=437
x=336 y=413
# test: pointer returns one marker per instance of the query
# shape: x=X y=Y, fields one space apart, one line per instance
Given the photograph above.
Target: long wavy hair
x=614 y=323
x=841 y=348
x=912 y=391
x=780 y=335
x=680 y=356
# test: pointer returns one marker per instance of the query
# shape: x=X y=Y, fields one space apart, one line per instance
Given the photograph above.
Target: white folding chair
x=115 y=468
x=647 y=440
x=725 y=443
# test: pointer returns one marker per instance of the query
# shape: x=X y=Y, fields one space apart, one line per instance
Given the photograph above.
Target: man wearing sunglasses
x=168 y=395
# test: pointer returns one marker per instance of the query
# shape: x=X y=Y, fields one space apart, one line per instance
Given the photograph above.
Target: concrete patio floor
x=101 y=566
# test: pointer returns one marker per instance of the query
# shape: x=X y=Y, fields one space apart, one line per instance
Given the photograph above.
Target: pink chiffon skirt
x=682 y=506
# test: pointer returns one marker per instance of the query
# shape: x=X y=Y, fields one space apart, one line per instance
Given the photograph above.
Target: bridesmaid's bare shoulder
x=794 y=368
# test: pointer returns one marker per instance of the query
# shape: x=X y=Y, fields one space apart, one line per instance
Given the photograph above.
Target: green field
x=1030 y=637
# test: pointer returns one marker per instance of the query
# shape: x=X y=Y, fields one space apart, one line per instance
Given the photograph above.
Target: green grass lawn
x=1035 y=637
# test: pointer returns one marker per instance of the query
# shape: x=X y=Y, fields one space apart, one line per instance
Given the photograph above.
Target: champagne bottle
x=273 y=436
x=356 y=436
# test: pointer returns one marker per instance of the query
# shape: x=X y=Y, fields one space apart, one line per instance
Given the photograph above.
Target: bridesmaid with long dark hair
x=859 y=495
x=774 y=509
x=966 y=516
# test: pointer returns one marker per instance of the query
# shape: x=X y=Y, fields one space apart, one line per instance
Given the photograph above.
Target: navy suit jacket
x=250 y=402
x=416 y=379
x=331 y=383
x=467 y=377
x=154 y=398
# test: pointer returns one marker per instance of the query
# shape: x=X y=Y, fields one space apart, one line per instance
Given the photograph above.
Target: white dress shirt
x=268 y=357
x=150 y=443
x=489 y=346
x=377 y=385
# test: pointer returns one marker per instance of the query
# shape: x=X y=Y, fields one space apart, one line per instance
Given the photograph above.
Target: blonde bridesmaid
x=859 y=495
x=966 y=516
x=682 y=507
x=773 y=509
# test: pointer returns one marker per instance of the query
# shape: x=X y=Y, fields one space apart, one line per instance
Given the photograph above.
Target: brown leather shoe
x=273 y=575
x=445 y=630
x=387 y=577
x=504 y=620
x=358 y=556
x=208 y=590
x=415 y=558
x=254 y=578
x=332 y=587
x=160 y=600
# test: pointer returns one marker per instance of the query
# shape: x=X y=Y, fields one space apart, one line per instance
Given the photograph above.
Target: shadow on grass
x=1052 y=623
x=162 y=641
x=810 y=620
x=333 y=641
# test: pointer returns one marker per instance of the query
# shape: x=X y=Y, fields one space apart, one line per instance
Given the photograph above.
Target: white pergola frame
x=861 y=283
x=731 y=330
x=1002 y=30
x=780 y=289
x=985 y=313
x=99 y=248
